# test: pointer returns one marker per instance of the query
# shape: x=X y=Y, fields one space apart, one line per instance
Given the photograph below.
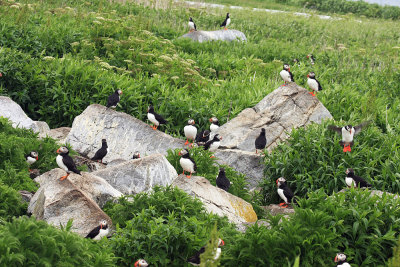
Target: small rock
x=26 y=195
x=34 y=173
x=59 y=134
x=275 y=209
x=223 y=35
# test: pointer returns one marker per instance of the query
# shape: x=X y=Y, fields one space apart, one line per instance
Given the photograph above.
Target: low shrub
x=11 y=203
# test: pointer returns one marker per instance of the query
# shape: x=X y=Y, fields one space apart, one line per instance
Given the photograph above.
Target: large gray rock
x=59 y=134
x=139 y=175
x=57 y=201
x=279 y=112
x=124 y=134
x=223 y=35
x=216 y=200
x=11 y=110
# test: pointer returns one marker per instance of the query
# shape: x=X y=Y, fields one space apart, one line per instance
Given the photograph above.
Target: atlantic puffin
x=312 y=59
x=213 y=144
x=113 y=99
x=136 y=155
x=284 y=192
x=195 y=259
x=226 y=22
x=65 y=162
x=340 y=259
x=192 y=25
x=261 y=141
x=187 y=163
x=203 y=137
x=214 y=124
x=313 y=83
x=155 y=118
x=222 y=181
x=32 y=157
x=286 y=75
x=353 y=180
x=99 y=232
x=190 y=131
x=141 y=263
x=102 y=152
x=348 y=132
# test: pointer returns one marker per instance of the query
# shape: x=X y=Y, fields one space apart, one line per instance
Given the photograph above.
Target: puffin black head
x=217 y=137
x=150 y=109
x=311 y=75
x=118 y=91
x=295 y=60
x=221 y=170
x=184 y=153
x=280 y=181
x=220 y=241
x=206 y=133
x=141 y=263
x=286 y=67
x=104 y=142
x=34 y=155
x=349 y=172
x=103 y=224
x=262 y=131
x=63 y=150
x=190 y=19
x=348 y=128
x=213 y=120
x=191 y=122
x=227 y=15
x=136 y=155
x=340 y=257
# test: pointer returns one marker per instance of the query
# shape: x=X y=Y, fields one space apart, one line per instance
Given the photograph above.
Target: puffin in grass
x=187 y=163
x=353 y=180
x=192 y=25
x=141 y=263
x=221 y=181
x=113 y=99
x=190 y=132
x=348 y=132
x=285 y=193
x=65 y=162
x=286 y=75
x=32 y=157
x=214 y=124
x=102 y=152
x=195 y=259
x=155 y=118
x=311 y=58
x=226 y=22
x=313 y=83
x=340 y=259
x=99 y=232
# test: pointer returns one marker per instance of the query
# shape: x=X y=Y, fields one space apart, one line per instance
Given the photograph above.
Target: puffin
x=213 y=144
x=261 y=141
x=192 y=25
x=214 y=124
x=353 y=180
x=348 y=132
x=102 y=152
x=195 y=259
x=203 y=137
x=141 y=263
x=113 y=99
x=296 y=61
x=187 y=162
x=226 y=22
x=98 y=232
x=32 y=157
x=136 y=155
x=286 y=75
x=65 y=162
x=190 y=131
x=222 y=181
x=340 y=259
x=155 y=118
x=285 y=193
x=313 y=83
x=312 y=59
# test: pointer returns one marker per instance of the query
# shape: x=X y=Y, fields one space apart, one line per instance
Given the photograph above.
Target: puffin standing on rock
x=141 y=263
x=226 y=22
x=102 y=152
x=284 y=192
x=192 y=25
x=214 y=124
x=187 y=163
x=213 y=144
x=190 y=132
x=348 y=132
x=340 y=259
x=155 y=118
x=353 y=180
x=32 y=157
x=203 y=137
x=222 y=181
x=113 y=99
x=136 y=155
x=99 y=232
x=261 y=141
x=286 y=75
x=195 y=259
x=65 y=162
x=313 y=83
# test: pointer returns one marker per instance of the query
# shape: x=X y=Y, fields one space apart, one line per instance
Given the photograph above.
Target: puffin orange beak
x=307 y=56
x=350 y=131
x=179 y=153
x=37 y=158
x=223 y=243
x=58 y=151
x=308 y=76
x=276 y=181
x=210 y=119
x=194 y=122
x=289 y=69
x=136 y=264
x=336 y=259
x=221 y=137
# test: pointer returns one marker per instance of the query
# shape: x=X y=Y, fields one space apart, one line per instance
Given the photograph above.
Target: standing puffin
x=285 y=193
x=222 y=181
x=65 y=162
x=214 y=124
x=113 y=99
x=195 y=259
x=286 y=75
x=190 y=131
x=312 y=59
x=213 y=144
x=136 y=155
x=353 y=180
x=261 y=141
x=102 y=152
x=192 y=25
x=313 y=83
x=32 y=157
x=187 y=162
x=100 y=231
x=141 y=263
x=226 y=22
x=348 y=132
x=203 y=137
x=155 y=118
x=340 y=259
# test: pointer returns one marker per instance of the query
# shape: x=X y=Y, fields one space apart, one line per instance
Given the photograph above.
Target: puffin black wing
x=195 y=259
x=93 y=233
x=159 y=118
x=195 y=28
x=100 y=154
x=360 y=181
x=319 y=85
x=261 y=142
x=335 y=129
x=358 y=128
x=223 y=182
x=288 y=193
x=113 y=100
x=208 y=144
x=194 y=164
x=69 y=162
x=224 y=23
x=291 y=76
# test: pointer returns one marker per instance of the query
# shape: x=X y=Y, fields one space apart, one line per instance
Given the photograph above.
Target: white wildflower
x=48 y=58
x=74 y=44
x=14 y=6
x=166 y=58
x=96 y=22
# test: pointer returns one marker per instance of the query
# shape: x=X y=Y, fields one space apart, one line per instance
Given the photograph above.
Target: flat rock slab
x=223 y=35
x=59 y=134
x=124 y=134
x=139 y=175
x=279 y=112
x=57 y=201
x=275 y=209
x=216 y=200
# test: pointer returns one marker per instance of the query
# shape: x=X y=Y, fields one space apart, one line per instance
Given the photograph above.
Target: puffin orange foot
x=188 y=176
x=187 y=142
x=64 y=177
x=281 y=204
x=212 y=157
x=347 y=148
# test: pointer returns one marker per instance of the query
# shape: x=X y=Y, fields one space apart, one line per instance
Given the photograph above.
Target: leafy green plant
x=11 y=203
x=395 y=260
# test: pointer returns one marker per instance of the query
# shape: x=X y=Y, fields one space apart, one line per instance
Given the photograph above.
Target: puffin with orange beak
x=141 y=263
x=65 y=162
x=285 y=193
x=313 y=83
x=195 y=259
x=155 y=118
x=190 y=132
x=286 y=75
x=214 y=124
x=348 y=132
x=340 y=259
x=32 y=157
x=114 y=98
x=187 y=163
x=99 y=232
